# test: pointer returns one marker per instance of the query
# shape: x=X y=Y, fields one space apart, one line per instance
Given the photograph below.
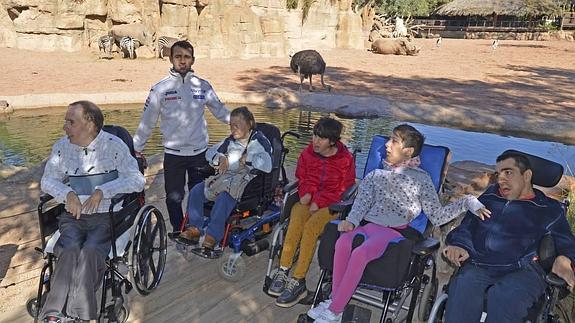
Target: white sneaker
x=316 y=311
x=328 y=316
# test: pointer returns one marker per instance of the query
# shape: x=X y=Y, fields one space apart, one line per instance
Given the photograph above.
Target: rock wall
x=217 y=28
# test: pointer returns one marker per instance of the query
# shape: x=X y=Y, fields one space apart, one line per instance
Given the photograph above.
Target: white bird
x=438 y=42
x=495 y=44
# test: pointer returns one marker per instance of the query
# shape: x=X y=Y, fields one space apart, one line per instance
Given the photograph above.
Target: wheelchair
x=547 y=308
x=255 y=214
x=290 y=198
x=405 y=276
x=139 y=240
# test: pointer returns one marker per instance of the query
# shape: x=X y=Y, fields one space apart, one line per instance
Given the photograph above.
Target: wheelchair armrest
x=117 y=199
x=350 y=192
x=255 y=171
x=555 y=281
x=291 y=186
x=425 y=247
x=341 y=207
x=45 y=198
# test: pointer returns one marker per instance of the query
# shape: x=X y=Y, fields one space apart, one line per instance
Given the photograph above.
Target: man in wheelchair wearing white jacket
x=98 y=166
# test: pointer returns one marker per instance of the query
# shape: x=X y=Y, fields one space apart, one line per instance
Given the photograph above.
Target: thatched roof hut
x=516 y=8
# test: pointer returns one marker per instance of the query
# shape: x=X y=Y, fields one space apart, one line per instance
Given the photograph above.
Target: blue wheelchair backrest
x=433 y=161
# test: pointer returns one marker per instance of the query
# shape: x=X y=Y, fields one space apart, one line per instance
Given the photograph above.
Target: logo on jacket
x=198 y=94
x=171 y=95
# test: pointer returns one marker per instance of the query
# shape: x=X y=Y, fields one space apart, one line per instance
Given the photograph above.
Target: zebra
x=105 y=43
x=165 y=43
x=128 y=45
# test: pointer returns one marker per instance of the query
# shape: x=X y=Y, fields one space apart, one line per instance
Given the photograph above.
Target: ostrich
x=307 y=63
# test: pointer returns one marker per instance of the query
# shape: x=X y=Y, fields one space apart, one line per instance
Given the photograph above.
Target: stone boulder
x=145 y=52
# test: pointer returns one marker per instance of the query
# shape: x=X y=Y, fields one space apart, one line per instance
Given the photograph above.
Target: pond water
x=26 y=136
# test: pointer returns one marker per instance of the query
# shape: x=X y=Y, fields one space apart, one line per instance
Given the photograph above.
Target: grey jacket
x=394 y=197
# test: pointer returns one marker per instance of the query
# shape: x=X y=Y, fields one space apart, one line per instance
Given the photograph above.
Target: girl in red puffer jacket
x=325 y=169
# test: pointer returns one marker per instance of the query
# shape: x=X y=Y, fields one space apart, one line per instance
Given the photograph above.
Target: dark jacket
x=514 y=231
x=325 y=178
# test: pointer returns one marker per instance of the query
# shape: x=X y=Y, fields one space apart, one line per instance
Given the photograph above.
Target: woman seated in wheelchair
x=387 y=200
x=235 y=158
x=325 y=169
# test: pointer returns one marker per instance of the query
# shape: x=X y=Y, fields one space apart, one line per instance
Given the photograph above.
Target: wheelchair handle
x=290 y=133
x=555 y=281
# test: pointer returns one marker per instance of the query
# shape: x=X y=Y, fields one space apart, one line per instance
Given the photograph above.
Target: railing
x=479 y=24
x=568 y=20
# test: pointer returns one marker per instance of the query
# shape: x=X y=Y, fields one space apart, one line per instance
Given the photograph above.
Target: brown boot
x=209 y=242
x=191 y=234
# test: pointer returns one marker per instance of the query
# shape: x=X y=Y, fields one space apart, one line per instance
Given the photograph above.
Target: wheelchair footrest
x=425 y=247
x=186 y=242
x=355 y=313
x=207 y=252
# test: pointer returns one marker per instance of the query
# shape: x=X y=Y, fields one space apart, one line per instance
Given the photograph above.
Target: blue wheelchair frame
x=434 y=162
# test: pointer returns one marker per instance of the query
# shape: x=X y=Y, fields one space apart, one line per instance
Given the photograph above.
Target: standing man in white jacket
x=180 y=99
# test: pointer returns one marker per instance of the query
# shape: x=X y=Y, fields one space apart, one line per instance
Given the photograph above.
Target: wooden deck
x=191 y=289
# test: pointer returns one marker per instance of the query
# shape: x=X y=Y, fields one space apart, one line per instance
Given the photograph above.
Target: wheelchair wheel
x=233 y=267
x=32 y=305
x=428 y=295
x=438 y=309
x=147 y=257
x=120 y=317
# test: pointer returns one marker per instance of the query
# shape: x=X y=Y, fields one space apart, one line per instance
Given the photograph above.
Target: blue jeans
x=508 y=294
x=223 y=207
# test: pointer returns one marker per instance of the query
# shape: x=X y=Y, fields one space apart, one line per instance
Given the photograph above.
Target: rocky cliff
x=217 y=28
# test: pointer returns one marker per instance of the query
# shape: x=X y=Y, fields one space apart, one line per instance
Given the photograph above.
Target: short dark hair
x=521 y=161
x=245 y=113
x=411 y=138
x=329 y=128
x=182 y=44
x=91 y=112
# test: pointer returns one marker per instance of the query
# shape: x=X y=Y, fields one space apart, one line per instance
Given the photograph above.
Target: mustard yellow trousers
x=303 y=230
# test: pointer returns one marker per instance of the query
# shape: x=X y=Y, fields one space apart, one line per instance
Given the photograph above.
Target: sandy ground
x=532 y=81
x=525 y=87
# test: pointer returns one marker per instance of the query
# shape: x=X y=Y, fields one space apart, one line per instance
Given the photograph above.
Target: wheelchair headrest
x=269 y=130
x=274 y=136
x=546 y=173
x=123 y=134
x=433 y=159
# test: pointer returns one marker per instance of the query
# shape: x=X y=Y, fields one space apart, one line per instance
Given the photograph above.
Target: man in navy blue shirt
x=498 y=252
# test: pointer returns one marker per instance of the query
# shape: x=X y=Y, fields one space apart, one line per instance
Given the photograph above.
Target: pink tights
x=351 y=264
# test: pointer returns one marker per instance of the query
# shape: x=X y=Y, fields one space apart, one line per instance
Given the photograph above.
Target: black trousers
x=175 y=170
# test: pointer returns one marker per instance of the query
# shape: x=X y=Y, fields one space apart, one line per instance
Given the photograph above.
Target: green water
x=26 y=136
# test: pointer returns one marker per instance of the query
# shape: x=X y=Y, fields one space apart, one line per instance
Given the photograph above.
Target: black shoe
x=293 y=293
x=279 y=282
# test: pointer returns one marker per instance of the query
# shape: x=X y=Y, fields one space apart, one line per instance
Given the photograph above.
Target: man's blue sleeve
x=461 y=236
